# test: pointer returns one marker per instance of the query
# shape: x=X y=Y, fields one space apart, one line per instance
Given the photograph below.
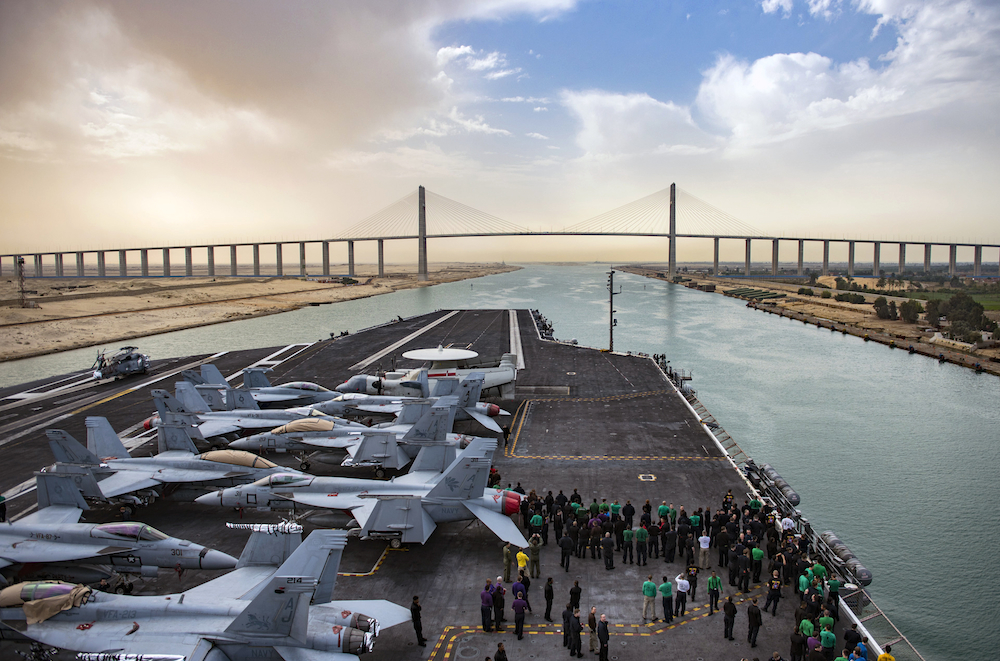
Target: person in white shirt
x=680 y=603
x=704 y=542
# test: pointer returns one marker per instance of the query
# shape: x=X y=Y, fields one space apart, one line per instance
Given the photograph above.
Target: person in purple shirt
x=519 y=606
x=518 y=589
x=486 y=606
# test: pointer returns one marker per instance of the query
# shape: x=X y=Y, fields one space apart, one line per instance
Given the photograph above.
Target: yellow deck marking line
x=377 y=565
x=453 y=632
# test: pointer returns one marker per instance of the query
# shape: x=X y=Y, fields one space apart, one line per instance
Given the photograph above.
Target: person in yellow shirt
x=887 y=654
x=522 y=560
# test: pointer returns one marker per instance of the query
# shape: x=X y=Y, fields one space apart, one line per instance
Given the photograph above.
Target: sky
x=128 y=124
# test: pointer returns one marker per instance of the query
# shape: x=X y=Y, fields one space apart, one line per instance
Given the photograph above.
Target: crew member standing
x=592 y=626
x=415 y=616
x=714 y=591
x=773 y=592
x=519 y=606
x=666 y=592
x=603 y=637
x=729 y=618
x=549 y=596
x=680 y=603
x=567 y=545
x=575 y=629
x=508 y=561
x=754 y=621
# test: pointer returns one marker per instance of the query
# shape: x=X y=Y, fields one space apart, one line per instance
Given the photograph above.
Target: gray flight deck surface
x=583 y=419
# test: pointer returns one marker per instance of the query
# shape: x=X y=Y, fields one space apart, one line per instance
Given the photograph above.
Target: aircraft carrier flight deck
x=608 y=424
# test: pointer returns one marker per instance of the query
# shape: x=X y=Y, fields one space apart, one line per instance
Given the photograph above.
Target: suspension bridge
x=423 y=215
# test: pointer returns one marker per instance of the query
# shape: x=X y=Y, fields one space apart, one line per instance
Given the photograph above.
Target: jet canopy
x=237 y=458
x=130 y=530
x=284 y=480
x=15 y=595
x=304 y=385
x=304 y=425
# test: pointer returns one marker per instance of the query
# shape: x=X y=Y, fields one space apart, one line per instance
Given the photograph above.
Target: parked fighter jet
x=298 y=393
x=257 y=611
x=445 y=363
x=177 y=466
x=226 y=419
x=51 y=541
x=404 y=509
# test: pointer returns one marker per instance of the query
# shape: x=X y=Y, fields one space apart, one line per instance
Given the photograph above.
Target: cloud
x=771 y=6
x=540 y=109
x=502 y=73
x=537 y=136
x=621 y=124
x=488 y=61
x=476 y=124
x=449 y=53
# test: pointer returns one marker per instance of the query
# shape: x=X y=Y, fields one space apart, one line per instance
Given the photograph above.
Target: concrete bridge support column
x=952 y=259
x=101 y=270
x=977 y=268
x=672 y=247
x=774 y=257
x=302 y=259
x=877 y=259
x=826 y=257
x=188 y=265
x=927 y=258
x=210 y=255
x=38 y=266
x=166 y=261
x=59 y=265
x=278 y=260
x=850 y=258
x=746 y=264
x=256 y=259
x=233 y=264
x=350 y=261
x=122 y=264
x=802 y=254
x=326 y=258
x=421 y=235
x=902 y=258
x=79 y=264
x=144 y=262
x=381 y=258
x=715 y=261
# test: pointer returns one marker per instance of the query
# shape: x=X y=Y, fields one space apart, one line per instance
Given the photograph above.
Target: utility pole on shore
x=611 y=306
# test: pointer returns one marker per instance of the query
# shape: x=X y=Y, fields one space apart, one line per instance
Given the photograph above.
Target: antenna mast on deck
x=611 y=306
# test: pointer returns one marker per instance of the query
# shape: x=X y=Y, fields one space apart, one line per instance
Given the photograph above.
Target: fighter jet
x=298 y=393
x=405 y=509
x=52 y=542
x=178 y=466
x=238 y=412
x=420 y=425
x=445 y=363
x=257 y=611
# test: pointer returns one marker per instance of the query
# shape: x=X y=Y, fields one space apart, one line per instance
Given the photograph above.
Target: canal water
x=896 y=453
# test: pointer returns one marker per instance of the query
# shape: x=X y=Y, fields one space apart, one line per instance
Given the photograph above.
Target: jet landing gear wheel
x=395 y=543
x=380 y=472
x=304 y=465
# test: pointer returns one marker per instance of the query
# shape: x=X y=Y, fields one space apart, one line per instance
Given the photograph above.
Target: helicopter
x=123 y=362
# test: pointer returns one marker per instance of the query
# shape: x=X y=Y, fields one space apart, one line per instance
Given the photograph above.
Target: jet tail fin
x=435 y=424
x=239 y=398
x=68 y=450
x=270 y=544
x=193 y=377
x=210 y=393
x=281 y=610
x=412 y=410
x=174 y=437
x=102 y=439
x=211 y=374
x=434 y=458
x=470 y=389
x=380 y=448
x=59 y=489
x=401 y=515
x=167 y=403
x=466 y=476
x=254 y=377
x=189 y=398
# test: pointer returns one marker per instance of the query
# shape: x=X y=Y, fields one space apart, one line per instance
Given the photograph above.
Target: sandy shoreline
x=856 y=319
x=82 y=312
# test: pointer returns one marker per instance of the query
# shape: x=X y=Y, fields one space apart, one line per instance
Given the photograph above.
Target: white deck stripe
x=395 y=345
x=515 y=339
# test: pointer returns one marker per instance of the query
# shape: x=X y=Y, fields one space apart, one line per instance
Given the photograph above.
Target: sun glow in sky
x=137 y=123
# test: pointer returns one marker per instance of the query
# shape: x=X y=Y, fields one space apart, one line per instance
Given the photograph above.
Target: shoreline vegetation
x=855 y=318
x=72 y=313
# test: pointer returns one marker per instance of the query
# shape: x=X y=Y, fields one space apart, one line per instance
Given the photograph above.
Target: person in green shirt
x=828 y=640
x=714 y=591
x=804 y=581
x=826 y=621
x=673 y=514
x=667 y=594
x=663 y=511
x=595 y=509
x=843 y=656
x=695 y=522
x=833 y=596
x=604 y=508
x=641 y=538
x=755 y=505
x=627 y=536
x=819 y=571
x=616 y=509
x=648 y=594
x=757 y=556
x=807 y=628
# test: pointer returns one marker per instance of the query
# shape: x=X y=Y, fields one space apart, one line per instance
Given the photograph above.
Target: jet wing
x=53 y=514
x=337 y=442
x=232 y=585
x=192 y=475
x=37 y=550
x=211 y=428
x=305 y=654
x=333 y=501
x=484 y=420
x=275 y=397
x=127 y=481
x=387 y=409
x=418 y=478
x=504 y=528
x=387 y=613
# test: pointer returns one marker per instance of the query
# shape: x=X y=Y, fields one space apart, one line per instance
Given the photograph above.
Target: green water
x=896 y=453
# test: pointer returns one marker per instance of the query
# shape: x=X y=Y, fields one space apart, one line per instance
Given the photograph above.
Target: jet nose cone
x=342 y=388
x=214 y=498
x=249 y=443
x=217 y=560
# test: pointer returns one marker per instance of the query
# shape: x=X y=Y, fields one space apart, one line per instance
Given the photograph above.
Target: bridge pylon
x=421 y=234
x=672 y=238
